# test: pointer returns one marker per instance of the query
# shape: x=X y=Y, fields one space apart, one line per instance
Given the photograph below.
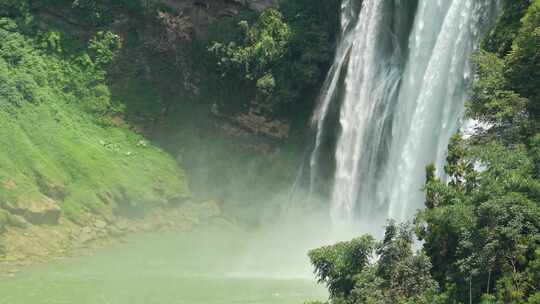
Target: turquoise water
x=163 y=268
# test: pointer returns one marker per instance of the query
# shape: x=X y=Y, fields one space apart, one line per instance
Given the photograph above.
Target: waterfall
x=400 y=79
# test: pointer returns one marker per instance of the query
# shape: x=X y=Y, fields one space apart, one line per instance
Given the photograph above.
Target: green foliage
x=522 y=65
x=104 y=47
x=493 y=103
x=56 y=137
x=337 y=265
x=457 y=167
x=95 y=13
x=487 y=229
x=404 y=276
x=499 y=41
x=264 y=43
x=399 y=276
x=51 y=41
x=314 y=24
x=292 y=42
x=266 y=84
x=505 y=93
x=14 y=8
x=481 y=227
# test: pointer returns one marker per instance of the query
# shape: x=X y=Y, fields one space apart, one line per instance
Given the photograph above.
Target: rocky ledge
x=23 y=243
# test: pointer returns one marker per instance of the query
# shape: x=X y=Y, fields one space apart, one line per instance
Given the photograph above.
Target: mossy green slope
x=57 y=140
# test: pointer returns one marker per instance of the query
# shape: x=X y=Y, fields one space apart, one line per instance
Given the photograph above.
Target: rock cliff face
x=253 y=4
x=261 y=4
x=203 y=12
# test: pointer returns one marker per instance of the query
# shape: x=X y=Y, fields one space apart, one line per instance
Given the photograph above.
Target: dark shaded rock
x=230 y=12
x=237 y=2
x=260 y=5
x=201 y=3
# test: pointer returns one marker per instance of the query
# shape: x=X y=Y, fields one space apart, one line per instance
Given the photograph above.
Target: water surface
x=162 y=268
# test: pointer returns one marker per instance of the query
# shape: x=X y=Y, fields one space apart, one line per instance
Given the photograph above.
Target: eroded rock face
x=201 y=13
x=44 y=211
x=260 y=5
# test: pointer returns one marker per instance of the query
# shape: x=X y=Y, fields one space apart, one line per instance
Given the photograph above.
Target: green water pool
x=162 y=268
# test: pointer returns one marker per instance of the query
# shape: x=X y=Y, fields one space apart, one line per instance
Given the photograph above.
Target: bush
x=104 y=47
x=264 y=43
x=337 y=265
x=14 y=8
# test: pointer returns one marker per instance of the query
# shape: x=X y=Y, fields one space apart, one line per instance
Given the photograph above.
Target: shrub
x=104 y=47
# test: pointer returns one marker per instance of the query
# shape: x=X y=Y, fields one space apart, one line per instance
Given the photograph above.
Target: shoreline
x=40 y=244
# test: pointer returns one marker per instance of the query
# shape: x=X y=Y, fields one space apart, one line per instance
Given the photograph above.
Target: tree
x=499 y=40
x=264 y=44
x=400 y=275
x=104 y=47
x=522 y=65
x=337 y=265
x=488 y=232
x=494 y=104
x=292 y=42
x=405 y=275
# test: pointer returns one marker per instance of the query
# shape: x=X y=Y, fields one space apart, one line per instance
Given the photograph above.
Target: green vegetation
x=398 y=276
x=117 y=66
x=481 y=228
x=60 y=138
x=90 y=13
x=178 y=82
x=263 y=53
x=77 y=78
x=265 y=43
x=500 y=39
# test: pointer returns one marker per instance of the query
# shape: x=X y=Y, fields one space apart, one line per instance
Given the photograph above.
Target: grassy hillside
x=60 y=141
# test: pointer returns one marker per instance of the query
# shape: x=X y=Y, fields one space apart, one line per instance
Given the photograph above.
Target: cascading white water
x=403 y=96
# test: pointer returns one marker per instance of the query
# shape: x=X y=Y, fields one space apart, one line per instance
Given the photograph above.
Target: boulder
x=43 y=211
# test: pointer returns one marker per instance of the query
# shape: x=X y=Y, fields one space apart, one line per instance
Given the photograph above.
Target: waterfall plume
x=399 y=84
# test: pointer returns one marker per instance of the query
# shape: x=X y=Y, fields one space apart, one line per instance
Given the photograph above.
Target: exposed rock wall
x=204 y=12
